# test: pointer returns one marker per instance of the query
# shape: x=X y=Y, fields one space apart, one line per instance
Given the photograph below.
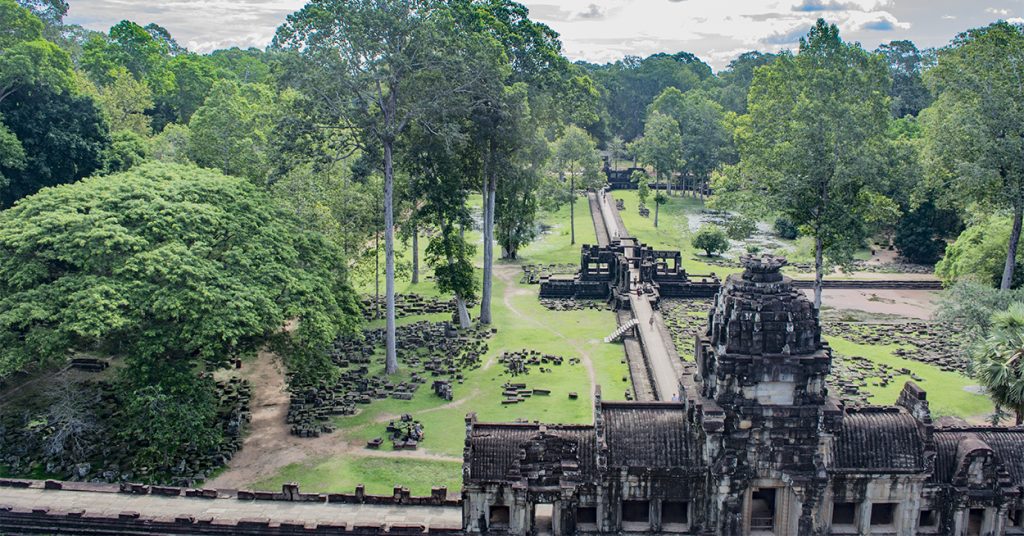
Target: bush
x=916 y=237
x=785 y=229
x=712 y=239
x=980 y=253
x=740 y=227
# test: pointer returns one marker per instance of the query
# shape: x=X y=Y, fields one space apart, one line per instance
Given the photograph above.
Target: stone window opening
x=1015 y=518
x=675 y=513
x=844 y=515
x=883 y=515
x=975 y=521
x=928 y=520
x=586 y=515
x=499 y=516
x=635 y=514
x=762 y=510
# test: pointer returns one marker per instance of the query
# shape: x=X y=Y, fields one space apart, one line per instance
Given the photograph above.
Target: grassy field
x=946 y=390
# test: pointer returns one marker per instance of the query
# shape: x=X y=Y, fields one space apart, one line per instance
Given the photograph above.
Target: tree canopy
x=164 y=263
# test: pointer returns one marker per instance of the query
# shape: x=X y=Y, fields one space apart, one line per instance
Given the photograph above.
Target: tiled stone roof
x=1006 y=443
x=496 y=448
x=878 y=440
x=649 y=435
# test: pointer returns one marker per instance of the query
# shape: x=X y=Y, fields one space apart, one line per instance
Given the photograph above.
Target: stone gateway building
x=755 y=446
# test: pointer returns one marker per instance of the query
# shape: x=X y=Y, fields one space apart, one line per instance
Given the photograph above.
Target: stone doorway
x=543 y=519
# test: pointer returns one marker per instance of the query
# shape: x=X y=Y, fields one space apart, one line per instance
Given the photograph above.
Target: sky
x=603 y=31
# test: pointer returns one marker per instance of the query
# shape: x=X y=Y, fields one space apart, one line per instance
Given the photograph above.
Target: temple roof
x=759 y=312
x=878 y=440
x=1006 y=443
x=649 y=435
x=497 y=448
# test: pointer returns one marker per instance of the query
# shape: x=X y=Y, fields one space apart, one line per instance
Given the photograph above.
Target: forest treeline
x=201 y=201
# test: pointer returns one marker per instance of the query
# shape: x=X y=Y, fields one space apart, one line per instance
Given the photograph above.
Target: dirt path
x=269 y=446
x=508 y=274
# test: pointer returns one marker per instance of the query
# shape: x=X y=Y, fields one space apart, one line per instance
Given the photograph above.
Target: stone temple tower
x=763 y=406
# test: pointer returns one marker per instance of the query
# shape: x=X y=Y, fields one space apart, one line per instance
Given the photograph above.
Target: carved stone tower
x=767 y=417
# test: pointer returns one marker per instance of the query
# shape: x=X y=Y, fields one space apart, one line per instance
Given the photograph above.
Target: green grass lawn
x=377 y=473
x=946 y=394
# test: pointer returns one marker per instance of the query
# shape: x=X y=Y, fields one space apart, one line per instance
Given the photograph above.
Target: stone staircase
x=622 y=330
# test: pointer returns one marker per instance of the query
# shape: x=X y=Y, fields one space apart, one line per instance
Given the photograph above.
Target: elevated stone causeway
x=28 y=507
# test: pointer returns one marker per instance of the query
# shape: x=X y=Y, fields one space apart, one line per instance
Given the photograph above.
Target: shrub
x=740 y=228
x=785 y=229
x=712 y=239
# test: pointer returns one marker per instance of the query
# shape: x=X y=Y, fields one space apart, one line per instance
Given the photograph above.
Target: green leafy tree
x=705 y=140
x=643 y=186
x=374 y=67
x=980 y=253
x=231 y=130
x=736 y=79
x=974 y=133
x=28 y=60
x=628 y=86
x=616 y=148
x=810 y=147
x=917 y=235
x=63 y=137
x=128 y=45
x=171 y=144
x=191 y=77
x=999 y=362
x=250 y=65
x=661 y=147
x=126 y=150
x=906 y=65
x=125 y=101
x=12 y=154
x=174 y=268
x=712 y=239
x=577 y=159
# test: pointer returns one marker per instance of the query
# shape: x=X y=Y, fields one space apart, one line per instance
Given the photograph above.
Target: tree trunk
x=1020 y=417
x=376 y=274
x=657 y=205
x=490 y=193
x=819 y=270
x=572 y=208
x=415 y=253
x=1011 y=254
x=391 y=354
x=460 y=305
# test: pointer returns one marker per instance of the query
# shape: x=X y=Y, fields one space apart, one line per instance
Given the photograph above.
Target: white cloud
x=598 y=30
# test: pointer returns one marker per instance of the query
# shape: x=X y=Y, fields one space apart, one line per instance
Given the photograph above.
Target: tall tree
x=810 y=150
x=735 y=80
x=974 y=133
x=125 y=101
x=906 y=65
x=63 y=137
x=578 y=160
x=374 y=67
x=706 y=142
x=26 y=58
x=173 y=295
x=230 y=131
x=661 y=147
